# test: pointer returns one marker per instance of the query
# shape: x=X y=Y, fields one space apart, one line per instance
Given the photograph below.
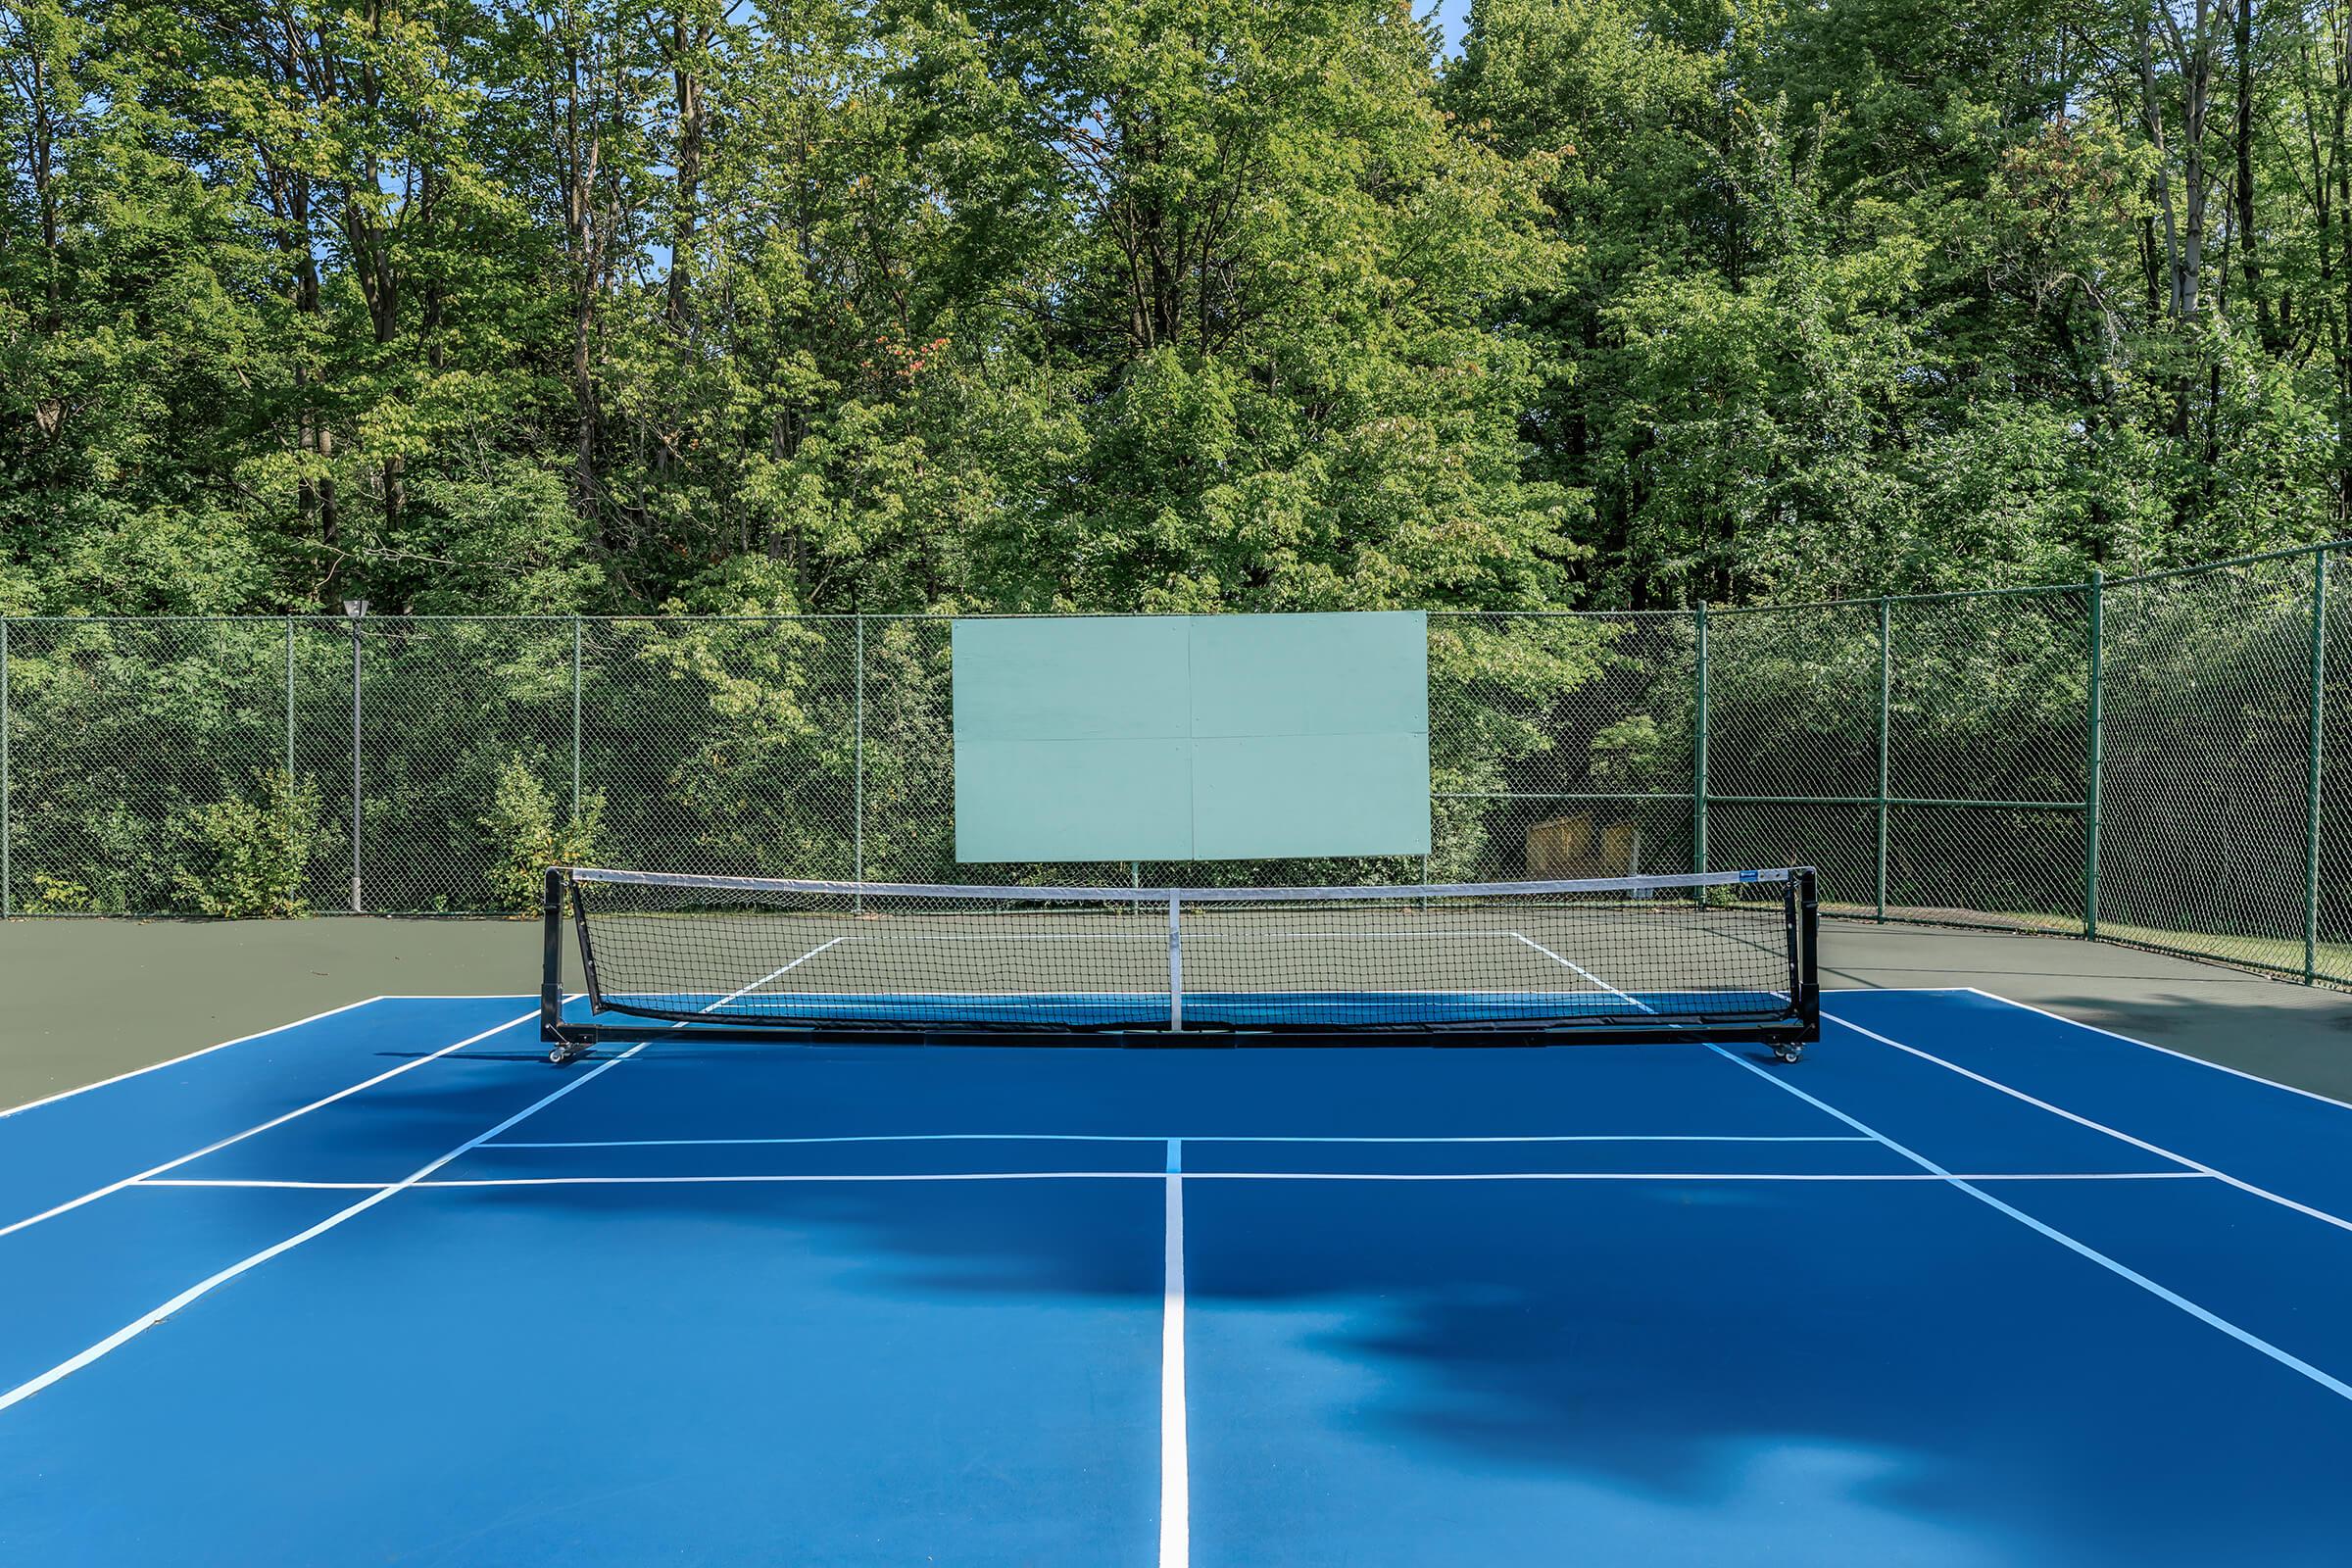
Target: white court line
x=912 y=938
x=2128 y=1039
x=1969 y=1185
x=204 y=1287
x=739 y=991
x=762 y=980
x=1587 y=973
x=1199 y=1138
x=2142 y=1143
x=1175 y=1466
x=796 y=1177
x=202 y=1050
x=262 y=1127
x=244 y=1180
x=147 y=1320
x=2092 y=1028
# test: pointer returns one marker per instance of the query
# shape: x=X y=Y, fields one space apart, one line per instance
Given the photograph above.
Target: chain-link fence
x=2163 y=760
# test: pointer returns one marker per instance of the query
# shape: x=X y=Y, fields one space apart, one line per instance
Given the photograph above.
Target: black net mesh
x=1632 y=952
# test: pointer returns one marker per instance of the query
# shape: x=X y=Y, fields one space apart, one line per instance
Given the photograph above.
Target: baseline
x=2150 y=1045
x=190 y=1055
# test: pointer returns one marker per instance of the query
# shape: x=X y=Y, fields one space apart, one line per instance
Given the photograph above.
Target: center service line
x=1175 y=1483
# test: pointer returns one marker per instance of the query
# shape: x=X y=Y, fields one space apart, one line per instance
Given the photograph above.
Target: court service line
x=201 y=1050
x=257 y=1181
x=740 y=1178
x=1199 y=1138
x=2128 y=1039
x=1969 y=1185
x=1587 y=973
x=262 y=1127
x=2142 y=1143
x=785 y=970
x=1245 y=935
x=1175 y=1464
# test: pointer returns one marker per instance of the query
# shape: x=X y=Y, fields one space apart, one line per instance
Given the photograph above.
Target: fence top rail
x=2043 y=590
x=2228 y=563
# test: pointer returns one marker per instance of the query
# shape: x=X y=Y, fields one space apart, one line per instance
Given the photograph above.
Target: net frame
x=1794 y=1023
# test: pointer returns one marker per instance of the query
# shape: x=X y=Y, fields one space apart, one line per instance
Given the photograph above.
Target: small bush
x=247 y=859
x=56 y=895
x=526 y=839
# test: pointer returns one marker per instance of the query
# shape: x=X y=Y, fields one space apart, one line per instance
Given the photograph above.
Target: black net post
x=551 y=955
x=1805 y=948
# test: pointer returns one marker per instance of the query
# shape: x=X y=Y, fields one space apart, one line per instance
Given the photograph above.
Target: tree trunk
x=314 y=492
x=2249 y=257
x=690 y=36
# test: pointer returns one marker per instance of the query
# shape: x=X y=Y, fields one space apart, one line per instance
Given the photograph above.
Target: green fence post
x=2311 y=799
x=1699 y=753
x=1886 y=691
x=858 y=764
x=2094 y=754
x=291 y=785
x=575 y=720
x=7 y=885
x=353 y=611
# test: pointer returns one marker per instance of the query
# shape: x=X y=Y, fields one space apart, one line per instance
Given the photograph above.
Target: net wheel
x=1790 y=1052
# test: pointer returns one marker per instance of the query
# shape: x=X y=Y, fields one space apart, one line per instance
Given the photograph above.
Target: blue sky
x=1453 y=16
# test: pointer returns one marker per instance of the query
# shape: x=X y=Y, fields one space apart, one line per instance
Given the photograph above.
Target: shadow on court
x=1659 y=1339
x=2292 y=1036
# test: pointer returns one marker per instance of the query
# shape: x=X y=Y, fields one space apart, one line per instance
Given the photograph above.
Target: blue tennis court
x=1970 y=1285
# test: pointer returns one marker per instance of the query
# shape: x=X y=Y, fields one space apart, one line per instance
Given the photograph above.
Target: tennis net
x=1724 y=956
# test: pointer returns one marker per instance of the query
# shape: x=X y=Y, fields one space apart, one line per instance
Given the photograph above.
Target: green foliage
x=247 y=855
x=56 y=895
x=525 y=835
x=1626 y=748
x=1163 y=304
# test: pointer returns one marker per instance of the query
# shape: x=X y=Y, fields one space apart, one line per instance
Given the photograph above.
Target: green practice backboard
x=1191 y=737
